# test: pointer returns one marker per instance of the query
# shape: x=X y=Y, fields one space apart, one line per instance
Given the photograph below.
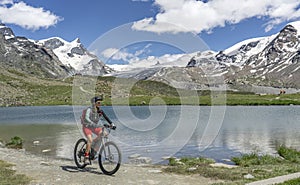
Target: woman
x=90 y=118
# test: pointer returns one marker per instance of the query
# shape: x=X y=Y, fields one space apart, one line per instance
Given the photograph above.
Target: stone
x=222 y=165
x=248 y=176
x=36 y=142
x=134 y=156
x=154 y=171
x=192 y=169
x=141 y=160
x=46 y=150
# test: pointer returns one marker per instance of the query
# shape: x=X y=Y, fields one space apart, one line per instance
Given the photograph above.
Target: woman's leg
x=98 y=132
x=88 y=135
x=88 y=144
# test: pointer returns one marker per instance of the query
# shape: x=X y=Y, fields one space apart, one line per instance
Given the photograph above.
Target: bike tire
x=79 y=151
x=111 y=163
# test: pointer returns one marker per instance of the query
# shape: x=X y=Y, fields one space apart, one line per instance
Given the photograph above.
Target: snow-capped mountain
x=145 y=68
x=53 y=57
x=19 y=53
x=257 y=63
x=253 y=64
x=73 y=54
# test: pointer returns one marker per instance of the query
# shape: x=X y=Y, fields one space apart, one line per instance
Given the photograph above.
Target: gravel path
x=276 y=180
x=48 y=171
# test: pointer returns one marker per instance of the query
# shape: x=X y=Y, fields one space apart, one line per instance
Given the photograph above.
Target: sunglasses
x=98 y=103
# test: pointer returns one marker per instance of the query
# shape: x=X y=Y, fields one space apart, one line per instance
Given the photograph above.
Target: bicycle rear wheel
x=109 y=158
x=79 y=152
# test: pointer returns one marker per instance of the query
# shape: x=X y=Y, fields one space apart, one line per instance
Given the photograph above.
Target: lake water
x=218 y=132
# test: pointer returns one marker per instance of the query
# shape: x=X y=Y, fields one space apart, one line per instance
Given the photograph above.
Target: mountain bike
x=109 y=154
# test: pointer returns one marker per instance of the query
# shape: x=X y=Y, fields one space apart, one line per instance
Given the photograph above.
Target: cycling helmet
x=96 y=98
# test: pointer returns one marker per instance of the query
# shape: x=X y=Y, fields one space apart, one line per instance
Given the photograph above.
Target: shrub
x=15 y=142
x=289 y=154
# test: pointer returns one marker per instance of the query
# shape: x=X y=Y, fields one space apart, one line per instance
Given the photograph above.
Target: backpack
x=82 y=117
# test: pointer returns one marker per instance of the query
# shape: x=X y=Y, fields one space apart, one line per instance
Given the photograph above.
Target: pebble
x=46 y=150
x=167 y=157
x=134 y=156
x=192 y=169
x=223 y=165
x=154 y=171
x=45 y=163
x=141 y=160
x=248 y=176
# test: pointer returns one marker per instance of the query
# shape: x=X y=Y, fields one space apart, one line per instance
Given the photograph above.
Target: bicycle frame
x=109 y=155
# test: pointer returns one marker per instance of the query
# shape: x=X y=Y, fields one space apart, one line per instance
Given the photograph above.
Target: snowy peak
x=295 y=25
x=266 y=61
x=75 y=55
x=6 y=31
x=61 y=58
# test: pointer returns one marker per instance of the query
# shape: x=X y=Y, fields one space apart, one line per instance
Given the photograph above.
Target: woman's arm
x=105 y=116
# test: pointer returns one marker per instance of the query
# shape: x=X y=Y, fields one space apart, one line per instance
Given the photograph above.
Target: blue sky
x=220 y=23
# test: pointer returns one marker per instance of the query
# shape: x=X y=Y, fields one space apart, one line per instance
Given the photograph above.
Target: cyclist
x=89 y=119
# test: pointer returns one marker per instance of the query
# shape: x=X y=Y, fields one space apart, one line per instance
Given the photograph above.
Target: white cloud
x=197 y=16
x=3 y=2
x=116 y=54
x=136 y=59
x=109 y=52
x=124 y=54
x=26 y=16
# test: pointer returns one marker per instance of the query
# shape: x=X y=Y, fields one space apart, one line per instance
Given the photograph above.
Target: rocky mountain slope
x=21 y=54
x=261 y=65
x=76 y=56
x=49 y=58
x=256 y=65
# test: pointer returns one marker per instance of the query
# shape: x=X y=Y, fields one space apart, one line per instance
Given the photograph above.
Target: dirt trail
x=48 y=171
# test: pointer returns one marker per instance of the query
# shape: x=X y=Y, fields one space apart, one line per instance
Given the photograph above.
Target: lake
x=218 y=132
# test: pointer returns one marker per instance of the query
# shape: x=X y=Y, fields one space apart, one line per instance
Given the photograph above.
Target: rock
x=226 y=160
x=134 y=156
x=44 y=163
x=46 y=150
x=222 y=165
x=167 y=158
x=154 y=171
x=36 y=142
x=192 y=169
x=141 y=160
x=248 y=176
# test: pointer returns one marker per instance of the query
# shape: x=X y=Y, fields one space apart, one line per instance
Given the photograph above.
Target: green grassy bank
x=19 y=89
x=256 y=167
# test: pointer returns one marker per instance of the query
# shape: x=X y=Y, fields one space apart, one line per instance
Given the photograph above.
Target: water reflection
x=260 y=129
x=244 y=130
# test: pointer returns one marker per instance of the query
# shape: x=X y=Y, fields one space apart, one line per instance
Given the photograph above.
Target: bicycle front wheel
x=109 y=158
x=79 y=152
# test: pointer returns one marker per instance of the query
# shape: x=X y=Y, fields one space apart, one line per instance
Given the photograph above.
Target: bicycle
x=109 y=154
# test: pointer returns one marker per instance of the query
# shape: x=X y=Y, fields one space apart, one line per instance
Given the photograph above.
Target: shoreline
x=134 y=105
x=46 y=171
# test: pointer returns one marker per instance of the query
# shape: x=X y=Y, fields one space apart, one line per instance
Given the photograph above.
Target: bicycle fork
x=106 y=152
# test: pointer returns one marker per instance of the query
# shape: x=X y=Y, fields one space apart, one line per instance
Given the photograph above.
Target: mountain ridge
x=49 y=58
x=254 y=65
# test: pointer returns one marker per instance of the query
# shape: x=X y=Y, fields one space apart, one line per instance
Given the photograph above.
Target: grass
x=9 y=176
x=291 y=182
x=259 y=166
x=22 y=89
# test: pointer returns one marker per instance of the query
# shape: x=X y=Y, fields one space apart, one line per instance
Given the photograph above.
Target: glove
x=113 y=126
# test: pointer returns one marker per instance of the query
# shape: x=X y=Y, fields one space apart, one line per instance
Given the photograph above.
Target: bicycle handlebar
x=112 y=126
